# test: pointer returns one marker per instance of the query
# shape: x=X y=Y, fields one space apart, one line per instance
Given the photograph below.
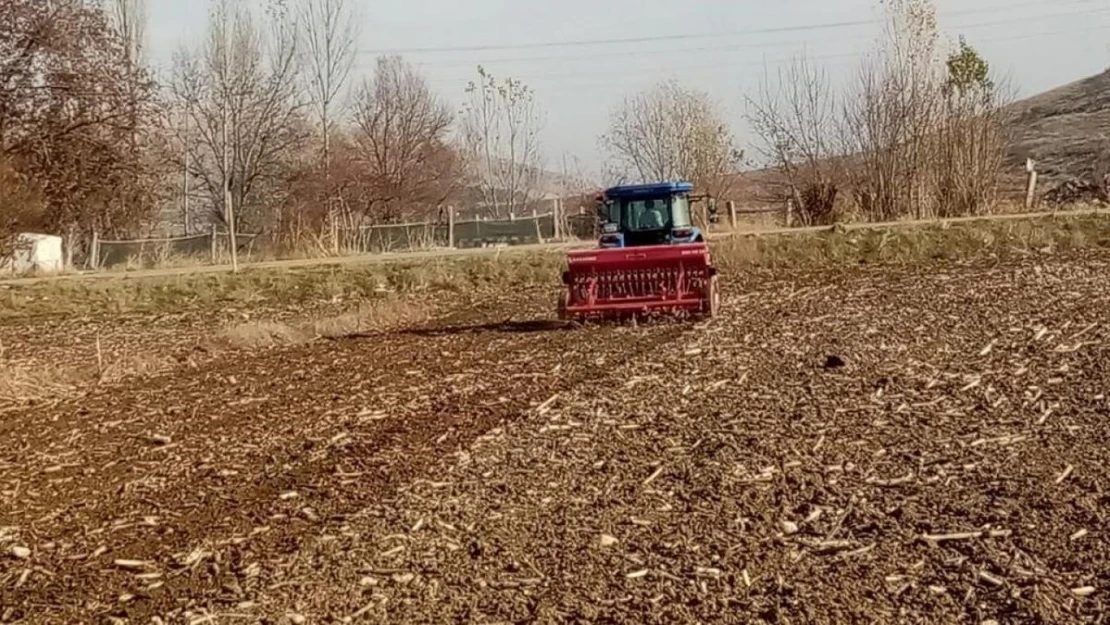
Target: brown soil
x=785 y=463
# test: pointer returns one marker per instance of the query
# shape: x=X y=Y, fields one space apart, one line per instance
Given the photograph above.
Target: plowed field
x=868 y=445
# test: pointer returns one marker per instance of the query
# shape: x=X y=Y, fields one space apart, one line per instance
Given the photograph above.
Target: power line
x=594 y=42
x=636 y=53
x=689 y=36
x=741 y=46
x=662 y=69
x=817 y=59
x=763 y=45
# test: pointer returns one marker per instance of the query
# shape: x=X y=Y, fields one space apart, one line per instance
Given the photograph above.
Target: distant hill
x=1066 y=130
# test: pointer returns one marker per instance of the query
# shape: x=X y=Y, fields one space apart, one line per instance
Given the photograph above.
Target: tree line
x=919 y=132
x=263 y=125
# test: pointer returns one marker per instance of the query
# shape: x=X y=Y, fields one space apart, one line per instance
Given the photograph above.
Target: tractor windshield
x=655 y=214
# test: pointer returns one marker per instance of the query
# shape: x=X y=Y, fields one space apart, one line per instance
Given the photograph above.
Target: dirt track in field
x=948 y=464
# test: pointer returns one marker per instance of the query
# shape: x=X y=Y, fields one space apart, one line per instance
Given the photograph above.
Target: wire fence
x=211 y=246
x=394 y=238
x=583 y=228
x=214 y=246
x=529 y=230
x=462 y=234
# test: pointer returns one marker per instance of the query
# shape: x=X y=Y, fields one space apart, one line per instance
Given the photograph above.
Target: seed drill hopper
x=650 y=258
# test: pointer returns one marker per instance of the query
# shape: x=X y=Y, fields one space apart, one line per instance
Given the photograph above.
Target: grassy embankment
x=339 y=300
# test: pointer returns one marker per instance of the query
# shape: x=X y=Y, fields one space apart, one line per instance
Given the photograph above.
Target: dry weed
x=377 y=315
x=134 y=364
x=21 y=384
x=260 y=334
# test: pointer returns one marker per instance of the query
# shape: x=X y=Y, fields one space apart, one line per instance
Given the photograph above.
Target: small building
x=37 y=252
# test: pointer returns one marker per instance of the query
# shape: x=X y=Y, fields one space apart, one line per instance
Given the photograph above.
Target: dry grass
x=351 y=282
x=385 y=293
x=376 y=315
x=970 y=240
x=261 y=334
x=276 y=287
x=22 y=383
x=383 y=314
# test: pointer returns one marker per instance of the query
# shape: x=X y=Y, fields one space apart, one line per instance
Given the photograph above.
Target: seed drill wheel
x=712 y=306
x=561 y=306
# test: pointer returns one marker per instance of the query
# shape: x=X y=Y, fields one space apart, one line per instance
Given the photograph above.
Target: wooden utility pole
x=229 y=208
x=185 y=172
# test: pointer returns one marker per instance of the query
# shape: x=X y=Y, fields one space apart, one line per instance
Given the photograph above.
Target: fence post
x=334 y=230
x=557 y=217
x=539 y=229
x=1031 y=185
x=215 y=250
x=69 y=250
x=790 y=212
x=451 y=227
x=731 y=214
x=93 y=262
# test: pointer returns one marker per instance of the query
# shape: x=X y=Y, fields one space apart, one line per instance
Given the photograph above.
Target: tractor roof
x=649 y=190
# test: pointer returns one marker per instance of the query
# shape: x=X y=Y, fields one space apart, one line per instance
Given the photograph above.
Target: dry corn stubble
x=405 y=475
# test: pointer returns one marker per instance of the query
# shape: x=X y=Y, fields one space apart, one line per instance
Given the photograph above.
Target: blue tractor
x=651 y=258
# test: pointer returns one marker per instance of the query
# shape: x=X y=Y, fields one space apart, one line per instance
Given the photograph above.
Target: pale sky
x=564 y=49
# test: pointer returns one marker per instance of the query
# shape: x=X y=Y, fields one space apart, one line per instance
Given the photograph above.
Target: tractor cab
x=647 y=214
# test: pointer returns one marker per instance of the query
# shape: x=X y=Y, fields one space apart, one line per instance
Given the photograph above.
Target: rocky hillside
x=1066 y=130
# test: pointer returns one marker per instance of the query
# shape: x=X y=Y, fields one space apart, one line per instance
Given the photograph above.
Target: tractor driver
x=652 y=217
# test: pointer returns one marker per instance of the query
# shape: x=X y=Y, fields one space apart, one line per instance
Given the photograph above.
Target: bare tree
x=574 y=180
x=242 y=98
x=670 y=133
x=20 y=207
x=130 y=19
x=925 y=131
x=972 y=138
x=795 y=118
x=68 y=110
x=329 y=34
x=500 y=128
x=889 y=119
x=401 y=145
